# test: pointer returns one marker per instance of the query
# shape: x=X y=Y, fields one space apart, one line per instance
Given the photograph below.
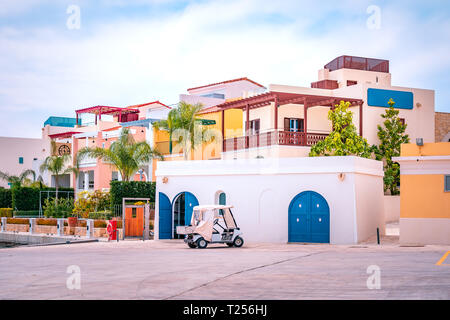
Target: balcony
x=358 y=63
x=283 y=138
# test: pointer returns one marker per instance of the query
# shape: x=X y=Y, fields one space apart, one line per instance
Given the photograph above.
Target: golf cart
x=211 y=224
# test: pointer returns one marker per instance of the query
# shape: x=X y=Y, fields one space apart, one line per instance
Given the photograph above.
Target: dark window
x=21 y=160
x=133 y=212
x=402 y=121
x=254 y=126
x=294 y=124
x=447 y=183
x=351 y=83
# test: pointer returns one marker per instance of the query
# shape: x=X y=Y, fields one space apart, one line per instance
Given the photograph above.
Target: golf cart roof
x=211 y=207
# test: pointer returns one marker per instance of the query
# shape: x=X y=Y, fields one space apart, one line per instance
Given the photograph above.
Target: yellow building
x=425 y=193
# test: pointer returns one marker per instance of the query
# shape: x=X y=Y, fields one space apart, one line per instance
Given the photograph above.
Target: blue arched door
x=165 y=217
x=309 y=218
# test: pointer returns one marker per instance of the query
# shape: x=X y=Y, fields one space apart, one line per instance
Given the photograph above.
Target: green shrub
x=6 y=212
x=100 y=215
x=89 y=203
x=27 y=198
x=5 y=198
x=131 y=189
x=17 y=221
x=28 y=213
x=62 y=209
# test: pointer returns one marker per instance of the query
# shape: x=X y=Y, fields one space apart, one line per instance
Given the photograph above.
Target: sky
x=57 y=56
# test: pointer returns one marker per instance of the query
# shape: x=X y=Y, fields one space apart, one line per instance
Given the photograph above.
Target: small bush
x=89 y=203
x=46 y=222
x=6 y=212
x=62 y=209
x=100 y=215
x=17 y=221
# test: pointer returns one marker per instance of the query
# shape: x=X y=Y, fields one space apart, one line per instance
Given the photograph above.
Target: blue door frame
x=309 y=218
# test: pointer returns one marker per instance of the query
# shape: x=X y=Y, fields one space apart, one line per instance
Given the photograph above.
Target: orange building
x=425 y=193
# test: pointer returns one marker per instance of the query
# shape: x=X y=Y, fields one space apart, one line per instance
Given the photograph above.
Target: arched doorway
x=309 y=218
x=182 y=207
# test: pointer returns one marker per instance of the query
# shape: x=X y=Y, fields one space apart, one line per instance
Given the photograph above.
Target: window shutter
x=286 y=124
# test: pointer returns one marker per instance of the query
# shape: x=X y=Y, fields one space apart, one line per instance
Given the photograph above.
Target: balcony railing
x=284 y=138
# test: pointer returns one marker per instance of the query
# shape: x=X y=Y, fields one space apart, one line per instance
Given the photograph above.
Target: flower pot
x=72 y=221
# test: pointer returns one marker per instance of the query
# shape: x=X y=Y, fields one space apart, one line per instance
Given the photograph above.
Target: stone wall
x=442 y=127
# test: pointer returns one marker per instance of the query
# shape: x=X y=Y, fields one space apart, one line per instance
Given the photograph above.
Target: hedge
x=27 y=198
x=27 y=213
x=6 y=212
x=131 y=189
x=5 y=198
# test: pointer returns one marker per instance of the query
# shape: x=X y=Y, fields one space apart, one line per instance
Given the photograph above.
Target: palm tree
x=57 y=165
x=18 y=181
x=183 y=125
x=127 y=155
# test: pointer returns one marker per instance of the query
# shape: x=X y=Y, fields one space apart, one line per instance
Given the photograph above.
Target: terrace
x=122 y=114
x=295 y=131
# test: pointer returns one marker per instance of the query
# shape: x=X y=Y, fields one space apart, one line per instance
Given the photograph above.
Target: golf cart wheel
x=230 y=244
x=192 y=245
x=202 y=243
x=238 y=242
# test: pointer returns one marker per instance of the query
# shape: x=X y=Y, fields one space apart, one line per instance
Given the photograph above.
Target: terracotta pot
x=72 y=221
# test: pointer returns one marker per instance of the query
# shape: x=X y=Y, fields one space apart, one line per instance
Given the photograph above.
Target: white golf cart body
x=213 y=224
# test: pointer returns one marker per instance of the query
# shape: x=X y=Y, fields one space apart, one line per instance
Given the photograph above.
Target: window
x=293 y=124
x=402 y=121
x=214 y=95
x=351 y=83
x=20 y=160
x=115 y=176
x=447 y=183
x=254 y=126
x=133 y=212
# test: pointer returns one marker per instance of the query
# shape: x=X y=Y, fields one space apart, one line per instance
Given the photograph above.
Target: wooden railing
x=285 y=138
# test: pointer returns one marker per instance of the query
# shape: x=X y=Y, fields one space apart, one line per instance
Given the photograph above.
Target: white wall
x=262 y=189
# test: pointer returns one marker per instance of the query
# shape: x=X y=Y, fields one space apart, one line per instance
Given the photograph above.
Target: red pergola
x=99 y=110
x=281 y=137
x=281 y=98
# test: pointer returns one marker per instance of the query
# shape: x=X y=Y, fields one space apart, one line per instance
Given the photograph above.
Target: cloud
x=49 y=70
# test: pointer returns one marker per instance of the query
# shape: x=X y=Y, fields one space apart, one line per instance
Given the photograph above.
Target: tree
x=183 y=126
x=127 y=155
x=343 y=140
x=57 y=165
x=18 y=181
x=391 y=135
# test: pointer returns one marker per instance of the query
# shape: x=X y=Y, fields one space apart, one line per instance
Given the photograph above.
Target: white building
x=337 y=200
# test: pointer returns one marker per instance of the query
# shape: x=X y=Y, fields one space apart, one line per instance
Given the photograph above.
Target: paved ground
x=170 y=270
